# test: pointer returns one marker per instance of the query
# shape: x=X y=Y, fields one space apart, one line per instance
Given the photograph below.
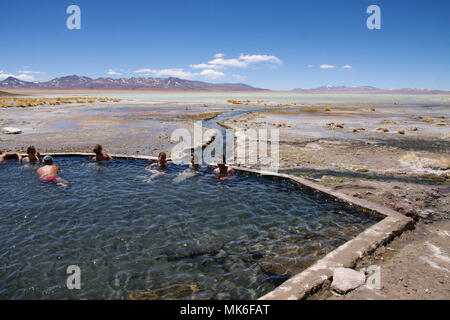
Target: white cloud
x=29 y=72
x=243 y=61
x=310 y=66
x=211 y=74
x=327 y=66
x=209 y=69
x=202 y=66
x=347 y=66
x=144 y=71
x=258 y=58
x=23 y=77
x=220 y=63
x=113 y=73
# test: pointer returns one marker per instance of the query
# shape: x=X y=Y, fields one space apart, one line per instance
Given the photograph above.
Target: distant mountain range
x=80 y=82
x=77 y=82
x=368 y=89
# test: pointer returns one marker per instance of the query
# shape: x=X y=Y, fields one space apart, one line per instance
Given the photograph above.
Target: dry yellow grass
x=234 y=101
x=33 y=102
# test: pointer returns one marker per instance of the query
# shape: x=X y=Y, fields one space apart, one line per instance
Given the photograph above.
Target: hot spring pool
x=175 y=236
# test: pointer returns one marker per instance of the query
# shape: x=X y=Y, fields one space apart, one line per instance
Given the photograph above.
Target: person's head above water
x=222 y=168
x=98 y=149
x=221 y=162
x=162 y=159
x=48 y=160
x=31 y=150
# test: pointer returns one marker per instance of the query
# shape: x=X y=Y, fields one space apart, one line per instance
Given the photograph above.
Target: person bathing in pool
x=192 y=171
x=193 y=164
x=10 y=156
x=222 y=170
x=99 y=155
x=32 y=156
x=49 y=172
x=161 y=165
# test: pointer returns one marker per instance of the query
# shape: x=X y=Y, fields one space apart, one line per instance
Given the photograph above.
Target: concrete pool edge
x=305 y=283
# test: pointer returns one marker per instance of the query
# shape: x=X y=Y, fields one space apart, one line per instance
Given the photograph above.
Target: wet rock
x=401 y=131
x=404 y=208
x=256 y=255
x=175 y=292
x=345 y=280
x=11 y=130
x=384 y=129
x=194 y=251
x=274 y=268
x=282 y=266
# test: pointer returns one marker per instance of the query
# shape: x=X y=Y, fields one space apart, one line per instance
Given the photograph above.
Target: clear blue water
x=178 y=235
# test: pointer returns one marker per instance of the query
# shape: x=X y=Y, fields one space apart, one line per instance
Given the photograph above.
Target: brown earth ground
x=405 y=171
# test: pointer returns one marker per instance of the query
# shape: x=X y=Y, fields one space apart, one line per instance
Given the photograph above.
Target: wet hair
x=97 y=149
x=48 y=160
x=1 y=152
x=31 y=149
x=162 y=154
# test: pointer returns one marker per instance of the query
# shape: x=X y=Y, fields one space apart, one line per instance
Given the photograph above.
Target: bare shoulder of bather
x=10 y=156
x=48 y=171
x=230 y=170
x=107 y=156
x=102 y=157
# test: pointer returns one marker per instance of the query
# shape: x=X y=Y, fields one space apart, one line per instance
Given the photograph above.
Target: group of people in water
x=49 y=172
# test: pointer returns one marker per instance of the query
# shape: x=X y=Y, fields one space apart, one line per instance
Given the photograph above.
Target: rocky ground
x=134 y=130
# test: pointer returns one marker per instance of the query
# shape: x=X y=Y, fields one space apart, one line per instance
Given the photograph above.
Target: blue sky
x=270 y=44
